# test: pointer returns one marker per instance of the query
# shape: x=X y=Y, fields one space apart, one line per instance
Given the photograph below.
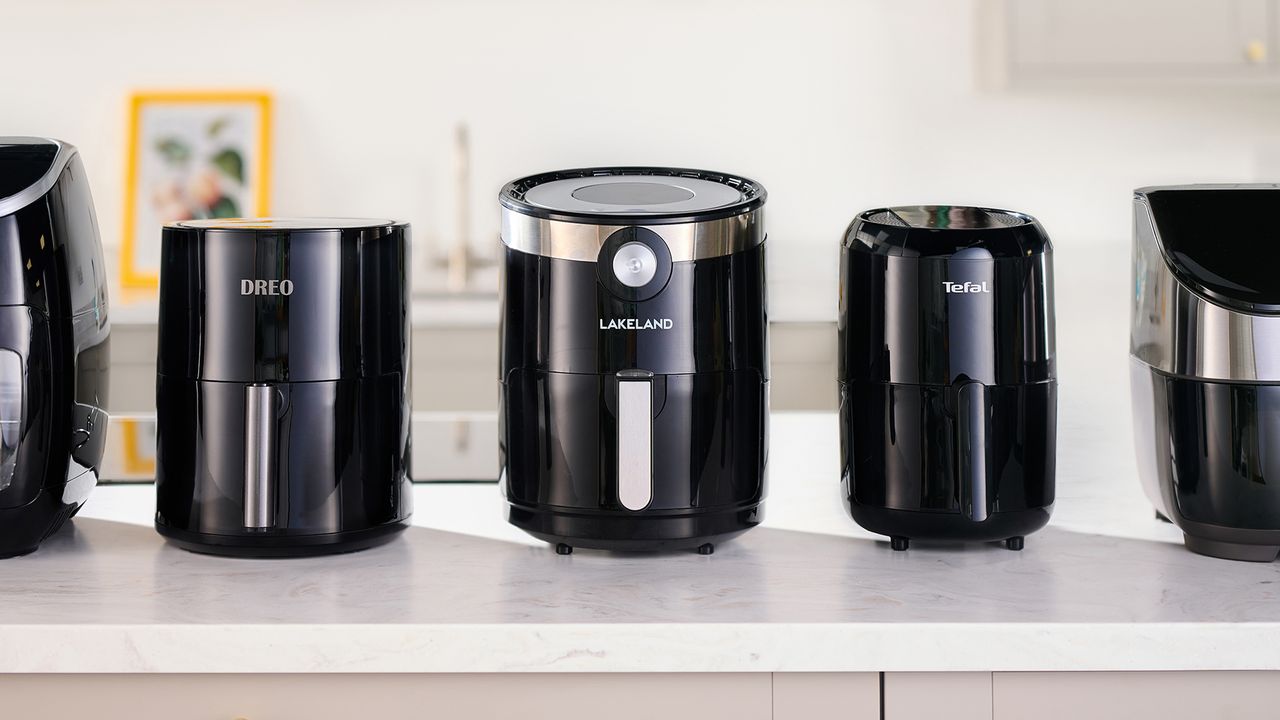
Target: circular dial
x=635 y=264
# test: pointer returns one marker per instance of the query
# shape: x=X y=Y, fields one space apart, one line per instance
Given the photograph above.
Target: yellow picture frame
x=259 y=167
x=137 y=461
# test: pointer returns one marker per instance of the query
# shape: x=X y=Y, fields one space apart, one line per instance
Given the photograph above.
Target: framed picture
x=139 y=448
x=192 y=155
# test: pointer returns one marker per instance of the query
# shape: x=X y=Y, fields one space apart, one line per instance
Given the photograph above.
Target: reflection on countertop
x=139 y=309
x=1104 y=587
x=447 y=447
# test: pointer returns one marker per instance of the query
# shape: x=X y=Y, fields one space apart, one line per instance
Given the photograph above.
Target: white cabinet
x=1077 y=695
x=825 y=696
x=532 y=696
x=933 y=695
x=628 y=696
x=1174 y=40
x=1128 y=695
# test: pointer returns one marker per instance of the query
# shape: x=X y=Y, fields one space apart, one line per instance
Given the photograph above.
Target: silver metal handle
x=635 y=439
x=260 y=456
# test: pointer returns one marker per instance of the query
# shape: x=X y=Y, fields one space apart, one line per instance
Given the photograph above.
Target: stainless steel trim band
x=1177 y=332
x=582 y=241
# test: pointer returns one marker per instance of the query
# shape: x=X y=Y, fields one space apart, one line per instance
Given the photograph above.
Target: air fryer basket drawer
x=26 y=443
x=1224 y=450
x=709 y=440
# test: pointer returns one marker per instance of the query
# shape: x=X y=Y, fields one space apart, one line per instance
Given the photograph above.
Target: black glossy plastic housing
x=1218 y=474
x=1192 y=223
x=707 y=362
x=54 y=340
x=947 y=380
x=332 y=343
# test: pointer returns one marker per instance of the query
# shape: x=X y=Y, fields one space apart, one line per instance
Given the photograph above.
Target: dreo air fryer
x=282 y=386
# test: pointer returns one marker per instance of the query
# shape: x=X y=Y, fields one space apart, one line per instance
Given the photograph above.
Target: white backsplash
x=835 y=106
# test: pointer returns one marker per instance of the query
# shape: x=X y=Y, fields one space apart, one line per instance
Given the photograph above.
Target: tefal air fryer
x=282 y=388
x=948 y=393
x=1205 y=363
x=53 y=341
x=634 y=360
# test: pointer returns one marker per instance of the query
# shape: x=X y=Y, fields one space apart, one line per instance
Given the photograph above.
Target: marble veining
x=1104 y=587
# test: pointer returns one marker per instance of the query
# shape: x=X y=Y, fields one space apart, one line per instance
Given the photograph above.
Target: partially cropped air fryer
x=1205 y=363
x=948 y=392
x=634 y=361
x=53 y=341
x=282 y=388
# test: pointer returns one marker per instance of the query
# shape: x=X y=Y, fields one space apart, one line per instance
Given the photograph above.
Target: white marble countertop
x=1104 y=587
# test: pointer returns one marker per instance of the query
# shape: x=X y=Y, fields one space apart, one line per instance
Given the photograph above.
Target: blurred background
x=421 y=110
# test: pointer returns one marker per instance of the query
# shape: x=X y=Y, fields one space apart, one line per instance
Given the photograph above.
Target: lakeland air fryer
x=634 y=357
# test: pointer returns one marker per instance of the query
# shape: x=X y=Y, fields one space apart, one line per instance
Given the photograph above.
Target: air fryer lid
x=1224 y=243
x=632 y=195
x=23 y=163
x=948 y=217
x=287 y=225
x=950 y=230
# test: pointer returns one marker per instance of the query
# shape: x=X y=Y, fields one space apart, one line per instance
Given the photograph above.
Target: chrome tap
x=461 y=261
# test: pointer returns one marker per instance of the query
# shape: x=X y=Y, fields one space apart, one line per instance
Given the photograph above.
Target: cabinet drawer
x=549 y=696
x=1128 y=695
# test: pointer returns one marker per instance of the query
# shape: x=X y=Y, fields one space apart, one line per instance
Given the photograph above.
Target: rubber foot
x=1231 y=551
x=563 y=549
x=899 y=543
x=1014 y=543
x=706 y=549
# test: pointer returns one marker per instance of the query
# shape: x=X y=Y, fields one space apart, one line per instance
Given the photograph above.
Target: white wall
x=835 y=105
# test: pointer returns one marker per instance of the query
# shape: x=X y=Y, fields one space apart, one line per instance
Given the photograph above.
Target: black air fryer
x=948 y=397
x=1205 y=363
x=634 y=361
x=282 y=394
x=53 y=341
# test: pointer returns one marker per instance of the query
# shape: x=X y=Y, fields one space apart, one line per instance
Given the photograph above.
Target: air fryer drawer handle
x=635 y=439
x=260 y=444
x=971 y=441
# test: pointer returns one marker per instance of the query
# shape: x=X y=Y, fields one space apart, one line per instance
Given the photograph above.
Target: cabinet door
x=1155 y=38
x=545 y=696
x=1128 y=695
x=826 y=696
x=933 y=695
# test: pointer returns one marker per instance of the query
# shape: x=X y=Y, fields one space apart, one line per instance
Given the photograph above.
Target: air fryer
x=634 y=360
x=1205 y=363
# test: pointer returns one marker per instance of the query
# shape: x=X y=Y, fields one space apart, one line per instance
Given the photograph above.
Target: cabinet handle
x=1256 y=52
